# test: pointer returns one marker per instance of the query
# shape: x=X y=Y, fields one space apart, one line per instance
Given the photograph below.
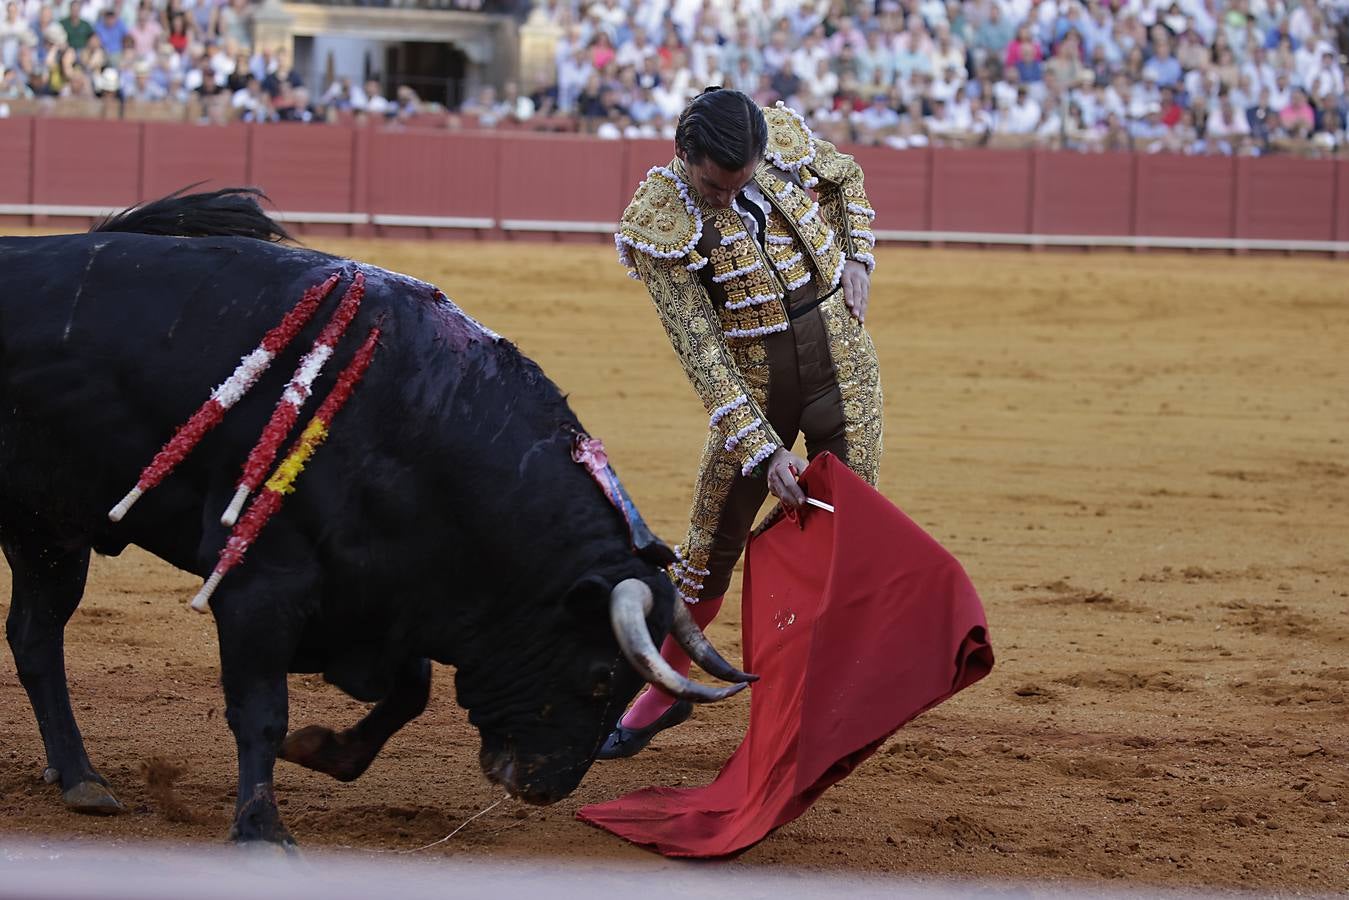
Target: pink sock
x=653 y=702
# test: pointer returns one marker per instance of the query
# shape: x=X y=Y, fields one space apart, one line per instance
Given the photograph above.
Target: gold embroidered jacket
x=718 y=333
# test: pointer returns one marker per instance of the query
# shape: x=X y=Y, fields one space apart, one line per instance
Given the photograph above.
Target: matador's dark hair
x=725 y=126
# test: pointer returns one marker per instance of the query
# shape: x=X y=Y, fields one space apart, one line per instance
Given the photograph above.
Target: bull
x=444 y=520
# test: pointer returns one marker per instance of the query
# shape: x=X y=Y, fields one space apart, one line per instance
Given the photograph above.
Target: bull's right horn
x=700 y=649
x=629 y=604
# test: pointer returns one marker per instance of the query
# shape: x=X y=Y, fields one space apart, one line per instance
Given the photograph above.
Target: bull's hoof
x=258 y=825
x=326 y=751
x=92 y=798
x=282 y=847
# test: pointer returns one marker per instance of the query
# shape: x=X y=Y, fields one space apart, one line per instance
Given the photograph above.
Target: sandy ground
x=1141 y=460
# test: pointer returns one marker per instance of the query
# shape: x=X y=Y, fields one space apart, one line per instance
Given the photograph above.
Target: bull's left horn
x=700 y=649
x=629 y=604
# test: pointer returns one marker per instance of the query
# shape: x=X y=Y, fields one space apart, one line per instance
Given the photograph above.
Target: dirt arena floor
x=1143 y=462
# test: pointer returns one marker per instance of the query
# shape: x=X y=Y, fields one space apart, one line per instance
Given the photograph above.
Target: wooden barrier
x=430 y=182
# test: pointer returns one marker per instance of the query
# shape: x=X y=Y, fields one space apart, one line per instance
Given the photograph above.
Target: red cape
x=856 y=621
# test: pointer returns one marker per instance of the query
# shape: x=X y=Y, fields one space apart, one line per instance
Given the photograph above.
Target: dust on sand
x=1140 y=459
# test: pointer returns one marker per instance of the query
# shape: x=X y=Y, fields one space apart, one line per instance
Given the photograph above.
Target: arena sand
x=1141 y=460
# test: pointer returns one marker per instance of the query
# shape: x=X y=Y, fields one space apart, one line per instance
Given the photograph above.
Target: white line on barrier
x=558 y=225
x=1137 y=242
x=433 y=221
x=1109 y=240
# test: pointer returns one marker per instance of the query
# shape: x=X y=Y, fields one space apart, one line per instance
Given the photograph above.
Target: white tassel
x=202 y=602
x=236 y=506
x=124 y=505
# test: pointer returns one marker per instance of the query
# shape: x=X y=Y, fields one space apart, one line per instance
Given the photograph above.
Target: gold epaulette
x=661 y=221
x=791 y=144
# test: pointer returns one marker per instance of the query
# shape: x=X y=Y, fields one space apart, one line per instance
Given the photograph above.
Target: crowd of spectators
x=164 y=54
x=1189 y=76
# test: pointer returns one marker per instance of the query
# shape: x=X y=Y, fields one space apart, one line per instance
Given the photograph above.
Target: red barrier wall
x=978 y=190
x=1284 y=198
x=176 y=155
x=905 y=181
x=1184 y=196
x=571 y=179
x=427 y=173
x=304 y=169
x=16 y=160
x=86 y=162
x=1083 y=194
x=560 y=178
x=1342 y=200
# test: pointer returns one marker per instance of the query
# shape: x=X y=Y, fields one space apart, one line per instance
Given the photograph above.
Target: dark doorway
x=436 y=71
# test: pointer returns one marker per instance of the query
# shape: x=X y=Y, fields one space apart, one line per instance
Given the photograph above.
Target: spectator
x=1028 y=67
x=992 y=37
x=877 y=122
x=78 y=30
x=178 y=36
x=13 y=86
x=78 y=86
x=281 y=75
x=821 y=88
x=239 y=73
x=1331 y=136
x=1171 y=110
x=111 y=32
x=1298 y=118
x=515 y=106
x=234 y=22
x=1148 y=132
x=146 y=32
x=1066 y=63
x=14 y=33
x=375 y=103
x=1023 y=116
x=1326 y=78
x=1078 y=134
x=1228 y=129
x=947 y=52
x=483 y=106
x=876 y=61
x=1164 y=68
x=292 y=104
x=1023 y=47
x=141 y=88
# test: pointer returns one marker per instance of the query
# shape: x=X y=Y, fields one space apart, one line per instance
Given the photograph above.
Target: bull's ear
x=588 y=594
x=655 y=551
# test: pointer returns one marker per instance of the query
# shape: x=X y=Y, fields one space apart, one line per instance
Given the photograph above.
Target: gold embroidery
x=695 y=333
x=859 y=386
x=658 y=220
x=789 y=141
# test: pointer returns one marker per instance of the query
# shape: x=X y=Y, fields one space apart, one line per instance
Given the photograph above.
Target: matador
x=756 y=246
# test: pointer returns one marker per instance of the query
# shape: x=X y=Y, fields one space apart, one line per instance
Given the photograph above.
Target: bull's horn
x=700 y=649
x=629 y=604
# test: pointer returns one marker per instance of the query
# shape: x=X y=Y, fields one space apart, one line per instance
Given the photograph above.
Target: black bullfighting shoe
x=624 y=742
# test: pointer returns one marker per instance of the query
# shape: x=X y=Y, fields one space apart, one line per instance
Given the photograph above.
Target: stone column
x=273 y=28
x=538 y=49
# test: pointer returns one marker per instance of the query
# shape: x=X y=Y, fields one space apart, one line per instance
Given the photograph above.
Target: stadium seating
x=1233 y=77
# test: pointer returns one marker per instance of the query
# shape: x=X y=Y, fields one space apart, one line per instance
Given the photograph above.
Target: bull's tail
x=229 y=212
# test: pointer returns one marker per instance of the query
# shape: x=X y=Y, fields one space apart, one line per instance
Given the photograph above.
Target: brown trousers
x=803 y=397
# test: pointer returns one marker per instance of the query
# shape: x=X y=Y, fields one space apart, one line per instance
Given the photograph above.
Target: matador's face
x=714 y=184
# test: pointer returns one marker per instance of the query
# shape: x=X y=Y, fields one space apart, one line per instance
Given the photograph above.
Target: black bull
x=443 y=519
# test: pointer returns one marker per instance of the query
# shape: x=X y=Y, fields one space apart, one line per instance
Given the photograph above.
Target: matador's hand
x=856 y=288
x=782 y=478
